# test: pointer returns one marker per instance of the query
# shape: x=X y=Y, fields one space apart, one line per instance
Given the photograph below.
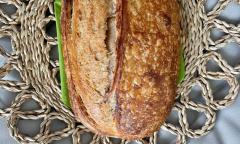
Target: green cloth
x=64 y=89
x=181 y=75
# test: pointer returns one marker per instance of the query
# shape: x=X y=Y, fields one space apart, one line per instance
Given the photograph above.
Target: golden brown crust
x=147 y=52
x=76 y=102
x=150 y=65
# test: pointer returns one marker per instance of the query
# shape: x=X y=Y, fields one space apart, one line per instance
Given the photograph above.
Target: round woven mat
x=32 y=44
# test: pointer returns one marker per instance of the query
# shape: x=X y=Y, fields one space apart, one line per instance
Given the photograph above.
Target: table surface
x=226 y=131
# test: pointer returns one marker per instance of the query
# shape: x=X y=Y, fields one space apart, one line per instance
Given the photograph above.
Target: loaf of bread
x=121 y=59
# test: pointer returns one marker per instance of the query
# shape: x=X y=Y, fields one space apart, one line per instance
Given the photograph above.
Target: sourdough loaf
x=121 y=59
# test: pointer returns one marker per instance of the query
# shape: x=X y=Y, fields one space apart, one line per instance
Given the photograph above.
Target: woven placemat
x=32 y=43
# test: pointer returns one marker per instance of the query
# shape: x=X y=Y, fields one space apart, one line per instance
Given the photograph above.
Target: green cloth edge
x=64 y=88
x=181 y=75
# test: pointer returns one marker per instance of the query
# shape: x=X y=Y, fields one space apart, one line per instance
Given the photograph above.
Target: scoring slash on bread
x=121 y=58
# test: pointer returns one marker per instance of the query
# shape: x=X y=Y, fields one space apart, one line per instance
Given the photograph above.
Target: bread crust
x=142 y=92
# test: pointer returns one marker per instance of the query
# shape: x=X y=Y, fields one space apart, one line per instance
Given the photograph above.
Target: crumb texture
x=96 y=45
